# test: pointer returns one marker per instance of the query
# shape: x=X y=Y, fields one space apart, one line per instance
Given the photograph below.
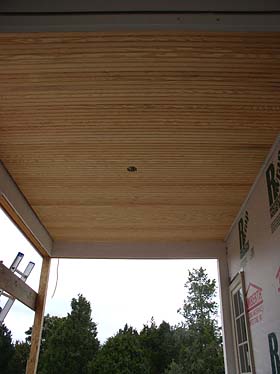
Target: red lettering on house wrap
x=254 y=301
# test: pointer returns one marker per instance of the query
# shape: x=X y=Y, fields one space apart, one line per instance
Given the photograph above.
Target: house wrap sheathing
x=253 y=246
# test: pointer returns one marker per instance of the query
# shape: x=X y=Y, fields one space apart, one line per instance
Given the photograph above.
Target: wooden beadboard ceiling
x=196 y=113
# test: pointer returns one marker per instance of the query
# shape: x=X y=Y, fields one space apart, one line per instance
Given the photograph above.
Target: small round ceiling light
x=132 y=169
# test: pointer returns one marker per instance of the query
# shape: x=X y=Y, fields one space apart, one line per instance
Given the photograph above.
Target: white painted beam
x=228 y=344
x=16 y=287
x=136 y=6
x=180 y=21
x=186 y=250
x=94 y=15
x=13 y=197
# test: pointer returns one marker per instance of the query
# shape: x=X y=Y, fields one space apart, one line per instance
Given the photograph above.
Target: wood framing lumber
x=39 y=318
x=16 y=287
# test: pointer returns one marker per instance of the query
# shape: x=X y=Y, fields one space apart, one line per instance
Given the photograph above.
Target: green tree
x=50 y=324
x=19 y=360
x=121 y=354
x=70 y=342
x=200 y=304
x=174 y=368
x=6 y=349
x=202 y=350
x=159 y=344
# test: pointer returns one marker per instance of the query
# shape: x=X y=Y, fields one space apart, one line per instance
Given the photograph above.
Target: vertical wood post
x=228 y=344
x=39 y=318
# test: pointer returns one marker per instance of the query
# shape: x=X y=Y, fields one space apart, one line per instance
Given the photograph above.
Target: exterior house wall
x=253 y=246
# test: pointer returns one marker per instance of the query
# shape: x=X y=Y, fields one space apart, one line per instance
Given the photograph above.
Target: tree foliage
x=6 y=350
x=121 y=354
x=159 y=344
x=200 y=305
x=71 y=341
x=70 y=346
x=202 y=352
x=174 y=368
x=19 y=360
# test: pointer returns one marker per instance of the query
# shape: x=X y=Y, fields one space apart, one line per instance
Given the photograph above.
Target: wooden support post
x=39 y=318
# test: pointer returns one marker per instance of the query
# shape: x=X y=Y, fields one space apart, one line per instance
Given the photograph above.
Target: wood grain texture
x=16 y=287
x=32 y=363
x=196 y=113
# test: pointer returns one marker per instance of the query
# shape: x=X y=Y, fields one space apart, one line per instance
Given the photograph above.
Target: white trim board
x=12 y=194
x=125 y=6
x=185 y=250
x=180 y=21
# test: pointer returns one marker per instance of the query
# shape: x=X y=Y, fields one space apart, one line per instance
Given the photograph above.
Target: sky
x=120 y=291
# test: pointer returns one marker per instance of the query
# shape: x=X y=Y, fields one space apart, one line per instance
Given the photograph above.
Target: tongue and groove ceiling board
x=196 y=113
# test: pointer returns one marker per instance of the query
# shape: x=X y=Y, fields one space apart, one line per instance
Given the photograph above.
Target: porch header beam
x=185 y=21
x=17 y=207
x=16 y=287
x=187 y=250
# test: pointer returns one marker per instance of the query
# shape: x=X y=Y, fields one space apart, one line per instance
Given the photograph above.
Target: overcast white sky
x=120 y=291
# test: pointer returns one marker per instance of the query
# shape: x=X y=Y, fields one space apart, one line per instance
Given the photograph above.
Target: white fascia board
x=185 y=250
x=178 y=21
x=12 y=194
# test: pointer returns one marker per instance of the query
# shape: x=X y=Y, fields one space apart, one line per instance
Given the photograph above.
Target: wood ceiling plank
x=196 y=113
x=87 y=216
x=146 y=195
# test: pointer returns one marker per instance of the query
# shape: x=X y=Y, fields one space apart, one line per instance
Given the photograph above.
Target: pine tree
x=200 y=305
x=160 y=345
x=6 y=349
x=202 y=350
x=121 y=354
x=18 y=363
x=73 y=343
